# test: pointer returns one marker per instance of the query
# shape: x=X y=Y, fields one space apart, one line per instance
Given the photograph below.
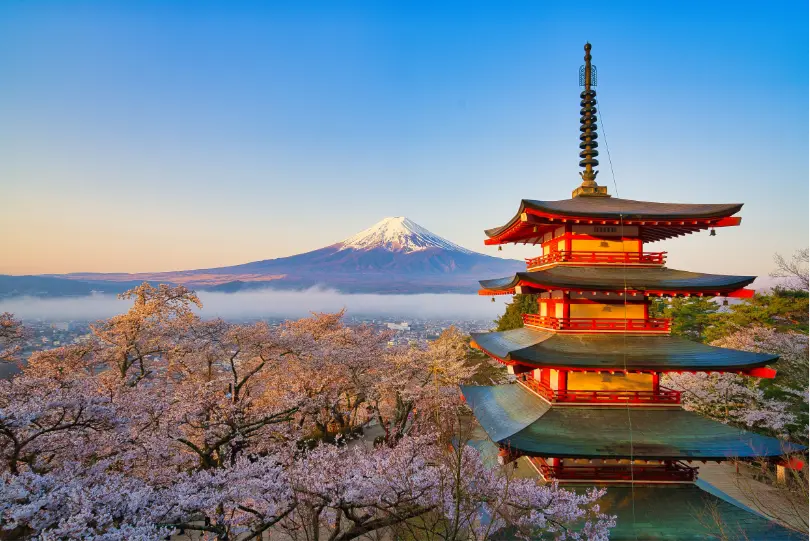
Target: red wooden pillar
x=568 y=242
x=555 y=462
x=562 y=380
x=566 y=306
x=656 y=377
x=544 y=379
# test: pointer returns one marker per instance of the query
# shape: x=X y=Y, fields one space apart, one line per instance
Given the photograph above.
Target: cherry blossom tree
x=419 y=385
x=80 y=502
x=337 y=492
x=730 y=398
x=335 y=366
x=43 y=420
x=239 y=501
x=743 y=400
x=163 y=422
x=367 y=490
x=793 y=269
x=71 y=362
x=792 y=348
x=157 y=317
x=12 y=337
x=223 y=396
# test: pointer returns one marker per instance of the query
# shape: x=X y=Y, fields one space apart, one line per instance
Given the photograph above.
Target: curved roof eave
x=514 y=417
x=545 y=349
x=611 y=207
x=621 y=278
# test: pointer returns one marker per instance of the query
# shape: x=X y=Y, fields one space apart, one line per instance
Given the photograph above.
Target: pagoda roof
x=516 y=418
x=657 y=353
x=686 y=512
x=661 y=220
x=679 y=512
x=646 y=279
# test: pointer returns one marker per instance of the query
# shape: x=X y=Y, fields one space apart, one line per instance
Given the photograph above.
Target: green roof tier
x=683 y=512
x=612 y=279
x=516 y=418
x=646 y=353
x=688 y=512
x=657 y=220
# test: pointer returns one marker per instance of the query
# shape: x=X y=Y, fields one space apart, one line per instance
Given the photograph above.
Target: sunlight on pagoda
x=588 y=406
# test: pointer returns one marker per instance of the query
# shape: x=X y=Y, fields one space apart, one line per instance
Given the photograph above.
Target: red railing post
x=662 y=396
x=597 y=324
x=597 y=257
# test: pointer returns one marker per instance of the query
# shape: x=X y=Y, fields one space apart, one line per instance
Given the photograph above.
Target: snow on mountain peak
x=398 y=234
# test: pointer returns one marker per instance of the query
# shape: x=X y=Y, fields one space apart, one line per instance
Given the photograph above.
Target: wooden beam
x=763 y=372
x=729 y=221
x=742 y=293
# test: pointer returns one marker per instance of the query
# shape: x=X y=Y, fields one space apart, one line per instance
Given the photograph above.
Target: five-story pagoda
x=588 y=406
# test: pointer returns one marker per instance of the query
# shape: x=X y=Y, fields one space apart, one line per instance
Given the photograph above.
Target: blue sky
x=145 y=136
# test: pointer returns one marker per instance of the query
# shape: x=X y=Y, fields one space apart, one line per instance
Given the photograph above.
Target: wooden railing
x=602 y=258
x=662 y=396
x=660 y=325
x=672 y=471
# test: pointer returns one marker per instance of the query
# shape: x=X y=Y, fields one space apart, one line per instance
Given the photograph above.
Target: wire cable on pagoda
x=607 y=150
x=624 y=277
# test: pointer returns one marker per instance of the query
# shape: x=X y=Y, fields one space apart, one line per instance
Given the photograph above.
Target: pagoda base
x=661 y=511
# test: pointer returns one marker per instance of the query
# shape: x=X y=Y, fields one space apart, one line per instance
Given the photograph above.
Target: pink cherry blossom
x=164 y=422
x=12 y=336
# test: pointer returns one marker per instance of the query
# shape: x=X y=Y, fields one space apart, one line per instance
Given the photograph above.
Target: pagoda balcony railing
x=610 y=397
x=581 y=324
x=598 y=258
x=675 y=471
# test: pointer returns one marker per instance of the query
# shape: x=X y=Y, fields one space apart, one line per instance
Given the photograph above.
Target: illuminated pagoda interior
x=588 y=407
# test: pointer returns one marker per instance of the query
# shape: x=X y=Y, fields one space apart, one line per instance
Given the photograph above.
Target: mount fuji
x=395 y=255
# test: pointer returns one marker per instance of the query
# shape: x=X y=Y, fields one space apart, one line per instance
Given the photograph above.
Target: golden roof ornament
x=588 y=135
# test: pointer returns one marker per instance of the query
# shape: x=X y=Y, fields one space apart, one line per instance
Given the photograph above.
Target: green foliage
x=692 y=317
x=512 y=317
x=702 y=319
x=782 y=309
x=658 y=307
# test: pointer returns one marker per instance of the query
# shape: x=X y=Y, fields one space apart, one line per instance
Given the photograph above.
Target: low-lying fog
x=271 y=303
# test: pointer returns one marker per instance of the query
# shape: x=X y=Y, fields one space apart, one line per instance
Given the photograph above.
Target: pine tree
x=512 y=318
x=783 y=309
x=691 y=317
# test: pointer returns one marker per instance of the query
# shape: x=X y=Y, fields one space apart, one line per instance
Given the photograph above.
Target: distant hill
x=47 y=286
x=395 y=255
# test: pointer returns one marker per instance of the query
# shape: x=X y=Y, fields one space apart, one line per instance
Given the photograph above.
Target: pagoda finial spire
x=588 y=136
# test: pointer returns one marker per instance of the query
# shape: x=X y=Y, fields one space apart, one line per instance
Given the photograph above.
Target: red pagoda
x=588 y=406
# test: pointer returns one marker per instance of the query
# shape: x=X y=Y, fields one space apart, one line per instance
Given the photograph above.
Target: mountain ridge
x=398 y=233
x=395 y=255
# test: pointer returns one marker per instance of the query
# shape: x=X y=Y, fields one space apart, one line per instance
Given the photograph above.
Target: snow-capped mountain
x=395 y=255
x=398 y=234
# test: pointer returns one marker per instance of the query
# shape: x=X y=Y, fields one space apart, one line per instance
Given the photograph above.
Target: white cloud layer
x=271 y=303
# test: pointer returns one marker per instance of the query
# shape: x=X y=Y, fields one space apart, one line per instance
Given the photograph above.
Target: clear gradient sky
x=148 y=136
